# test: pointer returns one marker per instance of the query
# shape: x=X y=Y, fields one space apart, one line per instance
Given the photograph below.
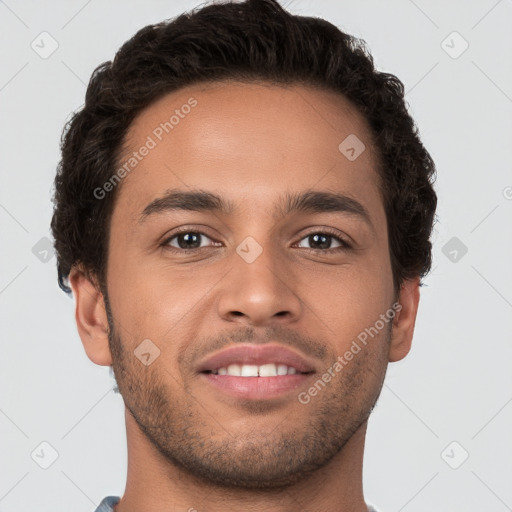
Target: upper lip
x=255 y=355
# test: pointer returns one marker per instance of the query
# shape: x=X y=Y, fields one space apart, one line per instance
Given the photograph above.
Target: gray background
x=455 y=385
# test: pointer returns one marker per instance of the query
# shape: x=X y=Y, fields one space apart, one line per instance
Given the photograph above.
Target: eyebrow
x=306 y=202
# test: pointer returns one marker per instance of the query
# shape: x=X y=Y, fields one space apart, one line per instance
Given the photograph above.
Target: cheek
x=361 y=288
x=157 y=303
x=349 y=306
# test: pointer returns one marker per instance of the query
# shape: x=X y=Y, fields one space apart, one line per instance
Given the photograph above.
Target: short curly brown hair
x=249 y=41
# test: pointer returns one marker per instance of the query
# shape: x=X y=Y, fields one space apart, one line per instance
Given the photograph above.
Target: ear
x=91 y=317
x=405 y=318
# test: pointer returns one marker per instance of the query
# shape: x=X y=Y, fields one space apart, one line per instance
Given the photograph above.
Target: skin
x=190 y=447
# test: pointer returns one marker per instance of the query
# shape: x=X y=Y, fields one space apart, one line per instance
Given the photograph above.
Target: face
x=289 y=263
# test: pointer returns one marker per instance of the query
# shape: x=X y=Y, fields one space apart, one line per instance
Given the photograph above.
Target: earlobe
x=91 y=317
x=404 y=321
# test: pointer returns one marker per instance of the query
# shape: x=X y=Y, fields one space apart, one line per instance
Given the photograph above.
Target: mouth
x=256 y=372
x=253 y=370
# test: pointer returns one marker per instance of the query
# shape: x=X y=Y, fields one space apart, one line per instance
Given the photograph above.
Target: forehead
x=247 y=141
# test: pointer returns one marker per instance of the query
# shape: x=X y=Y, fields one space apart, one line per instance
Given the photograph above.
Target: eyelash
x=345 y=246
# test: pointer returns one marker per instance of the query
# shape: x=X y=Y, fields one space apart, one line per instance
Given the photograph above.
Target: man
x=243 y=212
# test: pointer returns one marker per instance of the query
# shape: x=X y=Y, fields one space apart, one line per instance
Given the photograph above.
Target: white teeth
x=268 y=370
x=282 y=369
x=234 y=369
x=252 y=370
x=249 y=370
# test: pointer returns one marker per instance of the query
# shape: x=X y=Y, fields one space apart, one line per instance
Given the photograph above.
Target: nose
x=260 y=292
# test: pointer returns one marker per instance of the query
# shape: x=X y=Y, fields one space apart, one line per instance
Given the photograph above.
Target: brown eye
x=323 y=241
x=187 y=240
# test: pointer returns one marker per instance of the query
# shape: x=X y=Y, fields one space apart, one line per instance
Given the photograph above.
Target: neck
x=155 y=483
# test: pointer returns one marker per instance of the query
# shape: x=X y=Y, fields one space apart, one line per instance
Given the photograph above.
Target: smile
x=252 y=370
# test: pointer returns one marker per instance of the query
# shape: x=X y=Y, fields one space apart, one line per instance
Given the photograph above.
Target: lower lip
x=256 y=388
